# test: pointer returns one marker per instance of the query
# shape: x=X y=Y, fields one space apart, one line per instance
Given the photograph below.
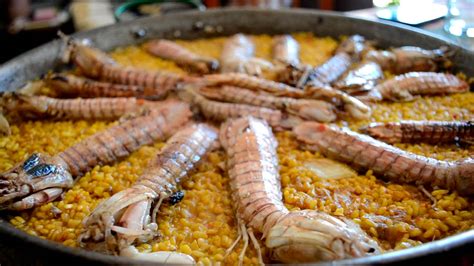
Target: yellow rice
x=203 y=224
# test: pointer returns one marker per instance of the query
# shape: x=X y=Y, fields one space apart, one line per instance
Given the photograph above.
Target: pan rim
x=437 y=246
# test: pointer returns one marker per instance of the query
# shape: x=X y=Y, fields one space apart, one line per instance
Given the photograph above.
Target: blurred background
x=25 y=24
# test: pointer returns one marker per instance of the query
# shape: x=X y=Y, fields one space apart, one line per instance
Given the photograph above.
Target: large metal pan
x=19 y=248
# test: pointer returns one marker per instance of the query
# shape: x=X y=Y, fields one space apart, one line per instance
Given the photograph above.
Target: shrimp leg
x=40 y=172
x=292 y=237
x=364 y=152
x=422 y=131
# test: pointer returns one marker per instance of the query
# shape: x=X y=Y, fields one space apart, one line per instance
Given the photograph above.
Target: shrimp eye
x=214 y=65
x=31 y=162
x=41 y=170
x=176 y=197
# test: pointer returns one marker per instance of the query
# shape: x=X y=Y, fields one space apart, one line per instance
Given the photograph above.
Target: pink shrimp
x=71 y=85
x=130 y=213
x=98 y=65
x=237 y=56
x=404 y=87
x=348 y=103
x=364 y=152
x=219 y=111
x=253 y=83
x=305 y=108
x=292 y=237
x=97 y=108
x=183 y=57
x=422 y=131
x=42 y=178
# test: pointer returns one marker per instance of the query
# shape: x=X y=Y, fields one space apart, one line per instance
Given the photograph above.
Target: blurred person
x=16 y=9
x=15 y=14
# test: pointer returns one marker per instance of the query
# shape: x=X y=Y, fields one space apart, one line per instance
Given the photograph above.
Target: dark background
x=13 y=44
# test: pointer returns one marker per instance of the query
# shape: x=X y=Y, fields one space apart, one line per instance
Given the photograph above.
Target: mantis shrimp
x=42 y=178
x=292 y=237
x=128 y=217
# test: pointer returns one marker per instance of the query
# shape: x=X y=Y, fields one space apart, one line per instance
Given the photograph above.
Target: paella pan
x=201 y=222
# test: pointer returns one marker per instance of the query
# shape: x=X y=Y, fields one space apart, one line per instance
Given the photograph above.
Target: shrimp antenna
x=67 y=39
x=31 y=88
x=444 y=53
x=70 y=44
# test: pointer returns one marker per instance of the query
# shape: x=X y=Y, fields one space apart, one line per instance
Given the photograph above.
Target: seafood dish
x=241 y=150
